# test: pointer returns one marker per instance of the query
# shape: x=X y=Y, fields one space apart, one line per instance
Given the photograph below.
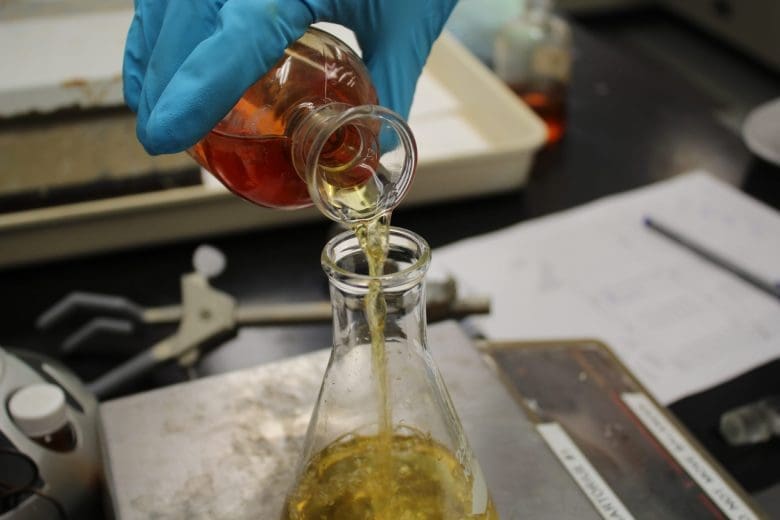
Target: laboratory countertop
x=629 y=123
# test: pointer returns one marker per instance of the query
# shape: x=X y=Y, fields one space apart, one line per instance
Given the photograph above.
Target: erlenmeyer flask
x=384 y=441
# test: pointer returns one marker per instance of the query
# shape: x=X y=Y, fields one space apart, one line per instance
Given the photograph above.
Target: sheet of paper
x=679 y=322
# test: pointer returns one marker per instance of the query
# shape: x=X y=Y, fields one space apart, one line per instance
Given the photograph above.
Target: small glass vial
x=753 y=423
x=532 y=54
x=40 y=412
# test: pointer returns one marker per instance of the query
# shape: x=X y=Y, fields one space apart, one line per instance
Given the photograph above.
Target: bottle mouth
x=345 y=263
x=359 y=161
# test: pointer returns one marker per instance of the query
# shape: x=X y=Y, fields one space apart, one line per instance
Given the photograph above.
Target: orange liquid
x=257 y=169
x=548 y=100
x=249 y=150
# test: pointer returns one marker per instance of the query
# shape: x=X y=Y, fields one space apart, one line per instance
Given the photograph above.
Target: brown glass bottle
x=250 y=150
x=532 y=54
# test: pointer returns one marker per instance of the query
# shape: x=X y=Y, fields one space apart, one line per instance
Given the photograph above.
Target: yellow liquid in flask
x=424 y=482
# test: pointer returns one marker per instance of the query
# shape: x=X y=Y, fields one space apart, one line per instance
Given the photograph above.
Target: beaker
x=384 y=441
x=310 y=132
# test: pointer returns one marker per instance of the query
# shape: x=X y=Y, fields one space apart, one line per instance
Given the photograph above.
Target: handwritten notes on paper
x=680 y=323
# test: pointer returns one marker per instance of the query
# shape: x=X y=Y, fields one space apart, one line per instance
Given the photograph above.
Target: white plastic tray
x=474 y=137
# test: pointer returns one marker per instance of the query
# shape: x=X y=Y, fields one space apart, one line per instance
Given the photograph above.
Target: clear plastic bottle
x=310 y=132
x=384 y=441
x=532 y=54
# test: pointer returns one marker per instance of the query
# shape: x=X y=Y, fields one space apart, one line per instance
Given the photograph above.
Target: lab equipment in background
x=40 y=411
x=532 y=54
x=50 y=465
x=752 y=423
x=310 y=131
x=384 y=440
x=205 y=317
x=761 y=131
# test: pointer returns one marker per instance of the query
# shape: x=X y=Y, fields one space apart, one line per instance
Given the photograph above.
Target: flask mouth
x=358 y=162
x=345 y=263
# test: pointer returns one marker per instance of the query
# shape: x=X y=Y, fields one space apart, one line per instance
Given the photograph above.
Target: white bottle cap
x=39 y=409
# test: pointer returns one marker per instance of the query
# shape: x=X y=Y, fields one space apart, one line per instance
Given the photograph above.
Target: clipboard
x=626 y=452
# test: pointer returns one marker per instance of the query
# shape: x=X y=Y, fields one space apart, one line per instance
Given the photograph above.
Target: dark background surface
x=632 y=121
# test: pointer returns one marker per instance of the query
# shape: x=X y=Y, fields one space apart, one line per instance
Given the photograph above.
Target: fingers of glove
x=394 y=71
x=396 y=47
x=249 y=39
x=141 y=38
x=185 y=25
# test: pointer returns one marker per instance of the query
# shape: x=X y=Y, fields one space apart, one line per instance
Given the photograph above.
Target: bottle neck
x=357 y=162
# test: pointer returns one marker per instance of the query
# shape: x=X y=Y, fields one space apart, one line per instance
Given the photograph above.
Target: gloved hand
x=187 y=62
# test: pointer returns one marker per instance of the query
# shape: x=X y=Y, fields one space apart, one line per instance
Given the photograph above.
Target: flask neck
x=402 y=291
x=357 y=161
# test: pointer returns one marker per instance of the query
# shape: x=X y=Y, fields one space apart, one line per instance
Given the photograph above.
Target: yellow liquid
x=373 y=237
x=425 y=482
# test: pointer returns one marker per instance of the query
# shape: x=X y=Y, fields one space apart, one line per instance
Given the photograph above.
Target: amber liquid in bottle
x=249 y=150
x=532 y=54
x=548 y=100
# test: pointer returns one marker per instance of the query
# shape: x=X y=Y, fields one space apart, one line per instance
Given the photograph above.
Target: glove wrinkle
x=138 y=43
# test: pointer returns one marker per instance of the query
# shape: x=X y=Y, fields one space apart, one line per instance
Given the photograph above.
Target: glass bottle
x=310 y=132
x=40 y=412
x=384 y=441
x=532 y=54
x=752 y=423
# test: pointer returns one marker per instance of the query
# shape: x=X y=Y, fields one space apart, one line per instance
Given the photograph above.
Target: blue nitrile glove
x=187 y=62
